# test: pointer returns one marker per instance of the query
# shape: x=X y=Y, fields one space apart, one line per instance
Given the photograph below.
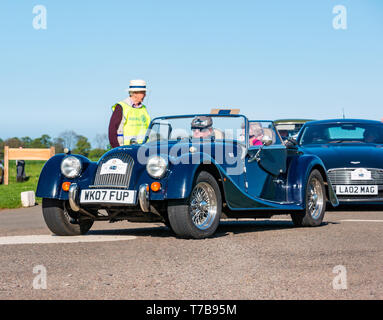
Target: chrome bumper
x=73 y=191
x=143 y=198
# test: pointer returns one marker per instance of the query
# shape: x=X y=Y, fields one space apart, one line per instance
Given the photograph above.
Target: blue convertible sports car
x=352 y=151
x=190 y=172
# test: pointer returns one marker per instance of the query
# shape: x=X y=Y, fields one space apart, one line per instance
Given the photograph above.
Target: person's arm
x=114 y=123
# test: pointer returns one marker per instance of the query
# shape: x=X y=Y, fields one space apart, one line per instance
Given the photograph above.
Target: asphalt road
x=263 y=259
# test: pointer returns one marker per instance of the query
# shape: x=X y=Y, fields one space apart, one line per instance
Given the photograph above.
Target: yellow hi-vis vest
x=134 y=123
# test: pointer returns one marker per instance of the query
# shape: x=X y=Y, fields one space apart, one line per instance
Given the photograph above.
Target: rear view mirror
x=348 y=127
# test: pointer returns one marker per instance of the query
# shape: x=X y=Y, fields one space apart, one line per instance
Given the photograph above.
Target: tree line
x=78 y=144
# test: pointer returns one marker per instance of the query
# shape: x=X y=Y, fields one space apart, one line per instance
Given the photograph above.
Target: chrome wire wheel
x=199 y=216
x=315 y=199
x=203 y=205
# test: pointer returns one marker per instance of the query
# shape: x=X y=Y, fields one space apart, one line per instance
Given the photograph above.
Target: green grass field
x=10 y=195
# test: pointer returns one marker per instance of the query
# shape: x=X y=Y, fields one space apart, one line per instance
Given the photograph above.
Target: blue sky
x=272 y=59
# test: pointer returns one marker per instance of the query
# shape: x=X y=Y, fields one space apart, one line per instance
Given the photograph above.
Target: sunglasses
x=201 y=130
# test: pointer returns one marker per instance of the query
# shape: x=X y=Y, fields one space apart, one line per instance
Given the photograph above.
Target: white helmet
x=137 y=85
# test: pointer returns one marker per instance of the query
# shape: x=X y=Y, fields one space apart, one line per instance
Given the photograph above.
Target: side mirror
x=266 y=140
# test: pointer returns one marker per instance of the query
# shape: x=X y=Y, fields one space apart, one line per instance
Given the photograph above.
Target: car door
x=264 y=165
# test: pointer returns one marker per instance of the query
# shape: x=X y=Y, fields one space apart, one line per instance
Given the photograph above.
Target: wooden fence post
x=24 y=154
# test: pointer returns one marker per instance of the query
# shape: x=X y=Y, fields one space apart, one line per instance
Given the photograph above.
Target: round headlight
x=71 y=167
x=156 y=166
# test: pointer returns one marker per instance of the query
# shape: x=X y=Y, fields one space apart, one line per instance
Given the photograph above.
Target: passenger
x=202 y=127
x=255 y=134
x=370 y=136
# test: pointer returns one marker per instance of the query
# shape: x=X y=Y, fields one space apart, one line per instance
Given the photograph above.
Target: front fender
x=299 y=171
x=51 y=179
x=182 y=174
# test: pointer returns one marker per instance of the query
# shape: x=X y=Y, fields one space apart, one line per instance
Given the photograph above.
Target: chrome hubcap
x=203 y=205
x=315 y=198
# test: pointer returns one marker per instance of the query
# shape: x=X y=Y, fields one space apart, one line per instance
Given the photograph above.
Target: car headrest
x=269 y=132
x=218 y=134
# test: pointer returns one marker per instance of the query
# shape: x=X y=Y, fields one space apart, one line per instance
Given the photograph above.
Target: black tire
x=312 y=217
x=181 y=214
x=58 y=219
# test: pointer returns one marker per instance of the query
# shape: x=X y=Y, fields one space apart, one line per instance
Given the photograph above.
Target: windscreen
x=208 y=127
x=342 y=133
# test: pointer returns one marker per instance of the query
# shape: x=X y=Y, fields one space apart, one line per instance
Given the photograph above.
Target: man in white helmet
x=130 y=119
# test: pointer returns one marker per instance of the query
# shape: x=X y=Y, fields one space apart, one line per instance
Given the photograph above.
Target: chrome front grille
x=114 y=180
x=343 y=177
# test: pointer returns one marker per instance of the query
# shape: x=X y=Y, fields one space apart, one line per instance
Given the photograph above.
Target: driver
x=202 y=127
x=313 y=136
